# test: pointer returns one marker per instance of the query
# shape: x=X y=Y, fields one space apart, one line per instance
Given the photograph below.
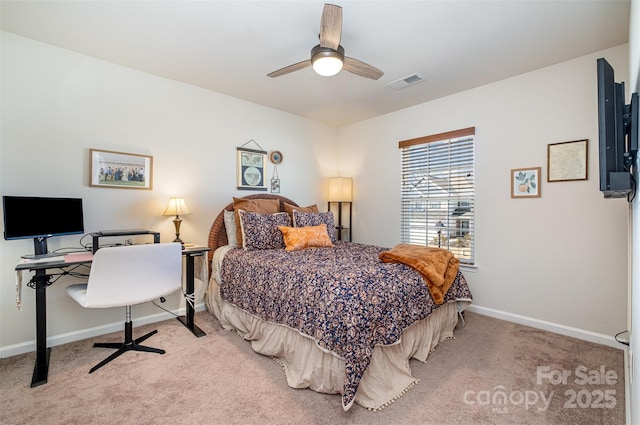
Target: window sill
x=469 y=268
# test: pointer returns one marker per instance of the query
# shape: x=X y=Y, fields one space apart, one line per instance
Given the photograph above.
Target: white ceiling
x=230 y=46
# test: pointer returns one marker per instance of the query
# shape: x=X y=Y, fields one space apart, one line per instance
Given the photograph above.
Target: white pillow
x=230 y=227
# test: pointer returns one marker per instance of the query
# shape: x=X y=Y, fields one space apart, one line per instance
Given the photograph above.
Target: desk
x=41 y=281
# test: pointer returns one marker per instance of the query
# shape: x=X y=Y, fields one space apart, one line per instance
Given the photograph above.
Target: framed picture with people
x=121 y=170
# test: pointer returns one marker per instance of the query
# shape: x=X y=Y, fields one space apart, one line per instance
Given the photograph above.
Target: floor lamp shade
x=340 y=189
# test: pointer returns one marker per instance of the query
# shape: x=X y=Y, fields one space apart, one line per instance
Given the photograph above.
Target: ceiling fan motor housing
x=322 y=52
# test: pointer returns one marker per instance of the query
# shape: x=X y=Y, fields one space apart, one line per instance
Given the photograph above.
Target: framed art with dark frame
x=120 y=170
x=525 y=182
x=251 y=169
x=567 y=161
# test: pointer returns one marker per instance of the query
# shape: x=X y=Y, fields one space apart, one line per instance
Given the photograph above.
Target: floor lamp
x=341 y=192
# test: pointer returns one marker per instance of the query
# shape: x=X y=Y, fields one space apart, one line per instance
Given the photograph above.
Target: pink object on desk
x=80 y=256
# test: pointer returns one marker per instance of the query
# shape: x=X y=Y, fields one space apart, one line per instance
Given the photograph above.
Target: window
x=438 y=192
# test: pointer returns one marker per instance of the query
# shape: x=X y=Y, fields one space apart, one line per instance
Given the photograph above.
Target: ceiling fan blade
x=331 y=26
x=290 y=68
x=362 y=69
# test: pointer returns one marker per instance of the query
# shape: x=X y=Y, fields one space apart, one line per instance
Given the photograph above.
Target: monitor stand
x=40 y=246
x=40 y=249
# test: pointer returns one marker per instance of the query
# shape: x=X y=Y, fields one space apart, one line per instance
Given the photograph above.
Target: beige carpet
x=487 y=375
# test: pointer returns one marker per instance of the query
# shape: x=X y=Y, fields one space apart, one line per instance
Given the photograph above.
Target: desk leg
x=41 y=369
x=188 y=319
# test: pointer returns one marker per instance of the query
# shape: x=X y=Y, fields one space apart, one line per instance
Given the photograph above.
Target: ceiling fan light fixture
x=327 y=66
x=326 y=61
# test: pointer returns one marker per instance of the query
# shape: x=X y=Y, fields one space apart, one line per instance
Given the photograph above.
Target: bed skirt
x=306 y=365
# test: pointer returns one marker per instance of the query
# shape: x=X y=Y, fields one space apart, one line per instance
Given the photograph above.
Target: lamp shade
x=327 y=66
x=340 y=189
x=176 y=207
x=327 y=61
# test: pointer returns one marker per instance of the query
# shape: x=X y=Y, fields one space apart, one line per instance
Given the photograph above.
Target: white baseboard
x=52 y=341
x=627 y=387
x=607 y=340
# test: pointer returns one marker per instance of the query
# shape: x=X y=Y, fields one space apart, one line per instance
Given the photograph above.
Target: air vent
x=406 y=81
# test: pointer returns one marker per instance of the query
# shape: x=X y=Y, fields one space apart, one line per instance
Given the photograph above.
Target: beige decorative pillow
x=296 y=238
x=262 y=206
x=230 y=227
x=288 y=208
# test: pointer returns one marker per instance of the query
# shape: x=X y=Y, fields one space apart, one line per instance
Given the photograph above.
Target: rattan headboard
x=218 y=233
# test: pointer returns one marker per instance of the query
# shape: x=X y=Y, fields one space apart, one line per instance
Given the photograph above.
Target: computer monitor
x=39 y=218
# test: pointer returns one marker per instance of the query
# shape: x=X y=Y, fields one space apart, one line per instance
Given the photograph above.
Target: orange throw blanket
x=437 y=266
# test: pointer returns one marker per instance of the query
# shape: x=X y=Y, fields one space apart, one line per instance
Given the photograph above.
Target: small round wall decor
x=275 y=157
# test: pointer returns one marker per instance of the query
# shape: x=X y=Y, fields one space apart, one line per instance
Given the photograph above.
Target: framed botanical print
x=275 y=181
x=525 y=182
x=251 y=169
x=275 y=185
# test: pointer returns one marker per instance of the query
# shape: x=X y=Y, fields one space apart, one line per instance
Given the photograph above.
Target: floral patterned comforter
x=344 y=297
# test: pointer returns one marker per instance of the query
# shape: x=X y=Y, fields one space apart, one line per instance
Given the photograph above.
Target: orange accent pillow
x=262 y=206
x=296 y=238
x=288 y=208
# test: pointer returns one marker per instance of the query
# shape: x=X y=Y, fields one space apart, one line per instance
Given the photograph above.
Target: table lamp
x=177 y=207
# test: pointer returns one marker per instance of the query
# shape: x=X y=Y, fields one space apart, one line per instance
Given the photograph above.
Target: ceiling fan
x=327 y=58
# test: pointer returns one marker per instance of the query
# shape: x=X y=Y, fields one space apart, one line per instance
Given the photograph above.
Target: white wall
x=57 y=104
x=634 y=302
x=560 y=259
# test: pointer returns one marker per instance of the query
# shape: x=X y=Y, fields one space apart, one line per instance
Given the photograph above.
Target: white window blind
x=438 y=192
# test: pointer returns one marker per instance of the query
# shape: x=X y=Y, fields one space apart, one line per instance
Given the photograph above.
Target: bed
x=337 y=319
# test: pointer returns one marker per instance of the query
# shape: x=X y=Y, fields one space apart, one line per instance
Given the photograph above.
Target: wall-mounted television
x=617 y=134
x=39 y=218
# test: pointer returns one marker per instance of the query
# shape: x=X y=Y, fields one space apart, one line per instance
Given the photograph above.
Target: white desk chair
x=128 y=275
